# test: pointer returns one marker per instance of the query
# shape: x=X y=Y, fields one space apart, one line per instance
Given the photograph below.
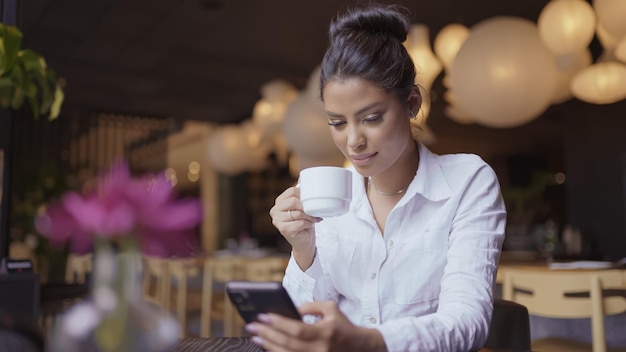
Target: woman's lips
x=362 y=159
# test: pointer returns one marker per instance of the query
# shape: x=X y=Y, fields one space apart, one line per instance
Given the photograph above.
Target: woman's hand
x=334 y=332
x=295 y=226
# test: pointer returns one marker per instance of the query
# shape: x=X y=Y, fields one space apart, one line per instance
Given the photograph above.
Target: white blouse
x=426 y=285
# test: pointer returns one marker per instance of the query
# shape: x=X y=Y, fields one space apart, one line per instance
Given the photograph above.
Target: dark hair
x=366 y=42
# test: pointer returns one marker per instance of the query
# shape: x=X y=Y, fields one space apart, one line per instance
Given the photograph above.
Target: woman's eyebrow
x=332 y=114
x=362 y=110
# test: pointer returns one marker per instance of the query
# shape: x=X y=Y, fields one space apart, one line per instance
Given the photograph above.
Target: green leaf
x=19 y=76
x=55 y=109
x=11 y=44
x=18 y=98
x=31 y=90
x=52 y=77
x=46 y=96
x=6 y=82
x=25 y=77
x=31 y=61
x=6 y=93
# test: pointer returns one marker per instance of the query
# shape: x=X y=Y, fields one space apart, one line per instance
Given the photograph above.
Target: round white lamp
x=612 y=16
x=448 y=42
x=426 y=63
x=567 y=26
x=600 y=83
x=503 y=75
x=566 y=67
x=620 y=50
x=306 y=129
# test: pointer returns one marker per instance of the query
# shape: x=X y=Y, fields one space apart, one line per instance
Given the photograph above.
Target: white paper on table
x=581 y=264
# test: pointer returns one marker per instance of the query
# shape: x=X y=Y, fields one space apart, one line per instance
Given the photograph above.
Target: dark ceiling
x=201 y=59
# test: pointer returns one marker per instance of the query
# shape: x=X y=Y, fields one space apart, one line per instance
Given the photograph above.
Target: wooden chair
x=156 y=286
x=567 y=294
x=181 y=270
x=20 y=250
x=271 y=268
x=215 y=305
x=77 y=267
x=217 y=272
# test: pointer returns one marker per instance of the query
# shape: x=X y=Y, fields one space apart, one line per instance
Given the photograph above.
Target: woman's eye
x=336 y=122
x=373 y=118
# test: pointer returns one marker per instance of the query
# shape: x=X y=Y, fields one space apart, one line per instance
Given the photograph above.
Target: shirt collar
x=430 y=180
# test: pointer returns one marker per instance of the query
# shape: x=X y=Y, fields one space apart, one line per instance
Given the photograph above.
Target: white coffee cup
x=325 y=191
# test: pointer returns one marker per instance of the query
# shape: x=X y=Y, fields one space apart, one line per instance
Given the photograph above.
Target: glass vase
x=115 y=317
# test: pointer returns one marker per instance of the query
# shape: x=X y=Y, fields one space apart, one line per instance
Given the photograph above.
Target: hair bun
x=366 y=43
x=375 y=19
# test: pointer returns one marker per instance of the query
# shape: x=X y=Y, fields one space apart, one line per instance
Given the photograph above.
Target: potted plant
x=25 y=77
x=526 y=207
x=26 y=81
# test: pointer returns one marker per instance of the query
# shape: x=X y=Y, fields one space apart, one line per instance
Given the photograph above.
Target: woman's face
x=369 y=125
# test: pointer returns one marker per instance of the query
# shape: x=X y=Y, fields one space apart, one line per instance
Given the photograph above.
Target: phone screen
x=252 y=298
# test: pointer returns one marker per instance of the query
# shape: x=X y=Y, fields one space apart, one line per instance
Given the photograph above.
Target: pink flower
x=121 y=205
x=56 y=223
x=182 y=244
x=159 y=214
x=151 y=190
x=102 y=216
x=60 y=228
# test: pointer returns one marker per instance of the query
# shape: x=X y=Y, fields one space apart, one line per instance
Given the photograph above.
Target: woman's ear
x=414 y=102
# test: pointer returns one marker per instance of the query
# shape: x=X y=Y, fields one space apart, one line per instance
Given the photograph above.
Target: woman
x=411 y=266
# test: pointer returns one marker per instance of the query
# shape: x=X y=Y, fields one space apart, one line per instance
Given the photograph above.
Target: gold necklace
x=371 y=183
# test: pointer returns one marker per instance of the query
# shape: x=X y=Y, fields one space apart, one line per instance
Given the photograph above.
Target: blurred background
x=222 y=95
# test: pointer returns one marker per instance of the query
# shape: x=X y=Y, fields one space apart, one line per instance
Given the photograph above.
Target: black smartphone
x=252 y=298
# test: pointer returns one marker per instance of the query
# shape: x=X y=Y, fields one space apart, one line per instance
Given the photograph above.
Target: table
x=234 y=344
x=542 y=266
x=216 y=344
x=575 y=329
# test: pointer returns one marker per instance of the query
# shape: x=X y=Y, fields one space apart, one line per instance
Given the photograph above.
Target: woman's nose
x=356 y=140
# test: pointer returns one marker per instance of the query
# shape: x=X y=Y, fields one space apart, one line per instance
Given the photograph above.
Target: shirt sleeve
x=300 y=284
x=461 y=322
x=310 y=285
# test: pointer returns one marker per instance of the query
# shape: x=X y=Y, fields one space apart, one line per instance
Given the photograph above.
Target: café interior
x=220 y=98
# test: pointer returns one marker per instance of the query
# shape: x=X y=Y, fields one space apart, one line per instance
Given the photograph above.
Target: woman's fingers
x=322 y=308
x=288 y=207
x=287 y=326
x=277 y=334
x=289 y=192
x=291 y=221
x=333 y=332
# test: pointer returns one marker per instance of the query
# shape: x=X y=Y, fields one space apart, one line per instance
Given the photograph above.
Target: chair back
x=271 y=268
x=509 y=328
x=217 y=271
x=77 y=267
x=156 y=284
x=181 y=270
x=220 y=270
x=568 y=294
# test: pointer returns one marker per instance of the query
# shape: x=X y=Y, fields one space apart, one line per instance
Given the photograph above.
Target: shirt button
x=373 y=320
x=373 y=276
x=390 y=243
